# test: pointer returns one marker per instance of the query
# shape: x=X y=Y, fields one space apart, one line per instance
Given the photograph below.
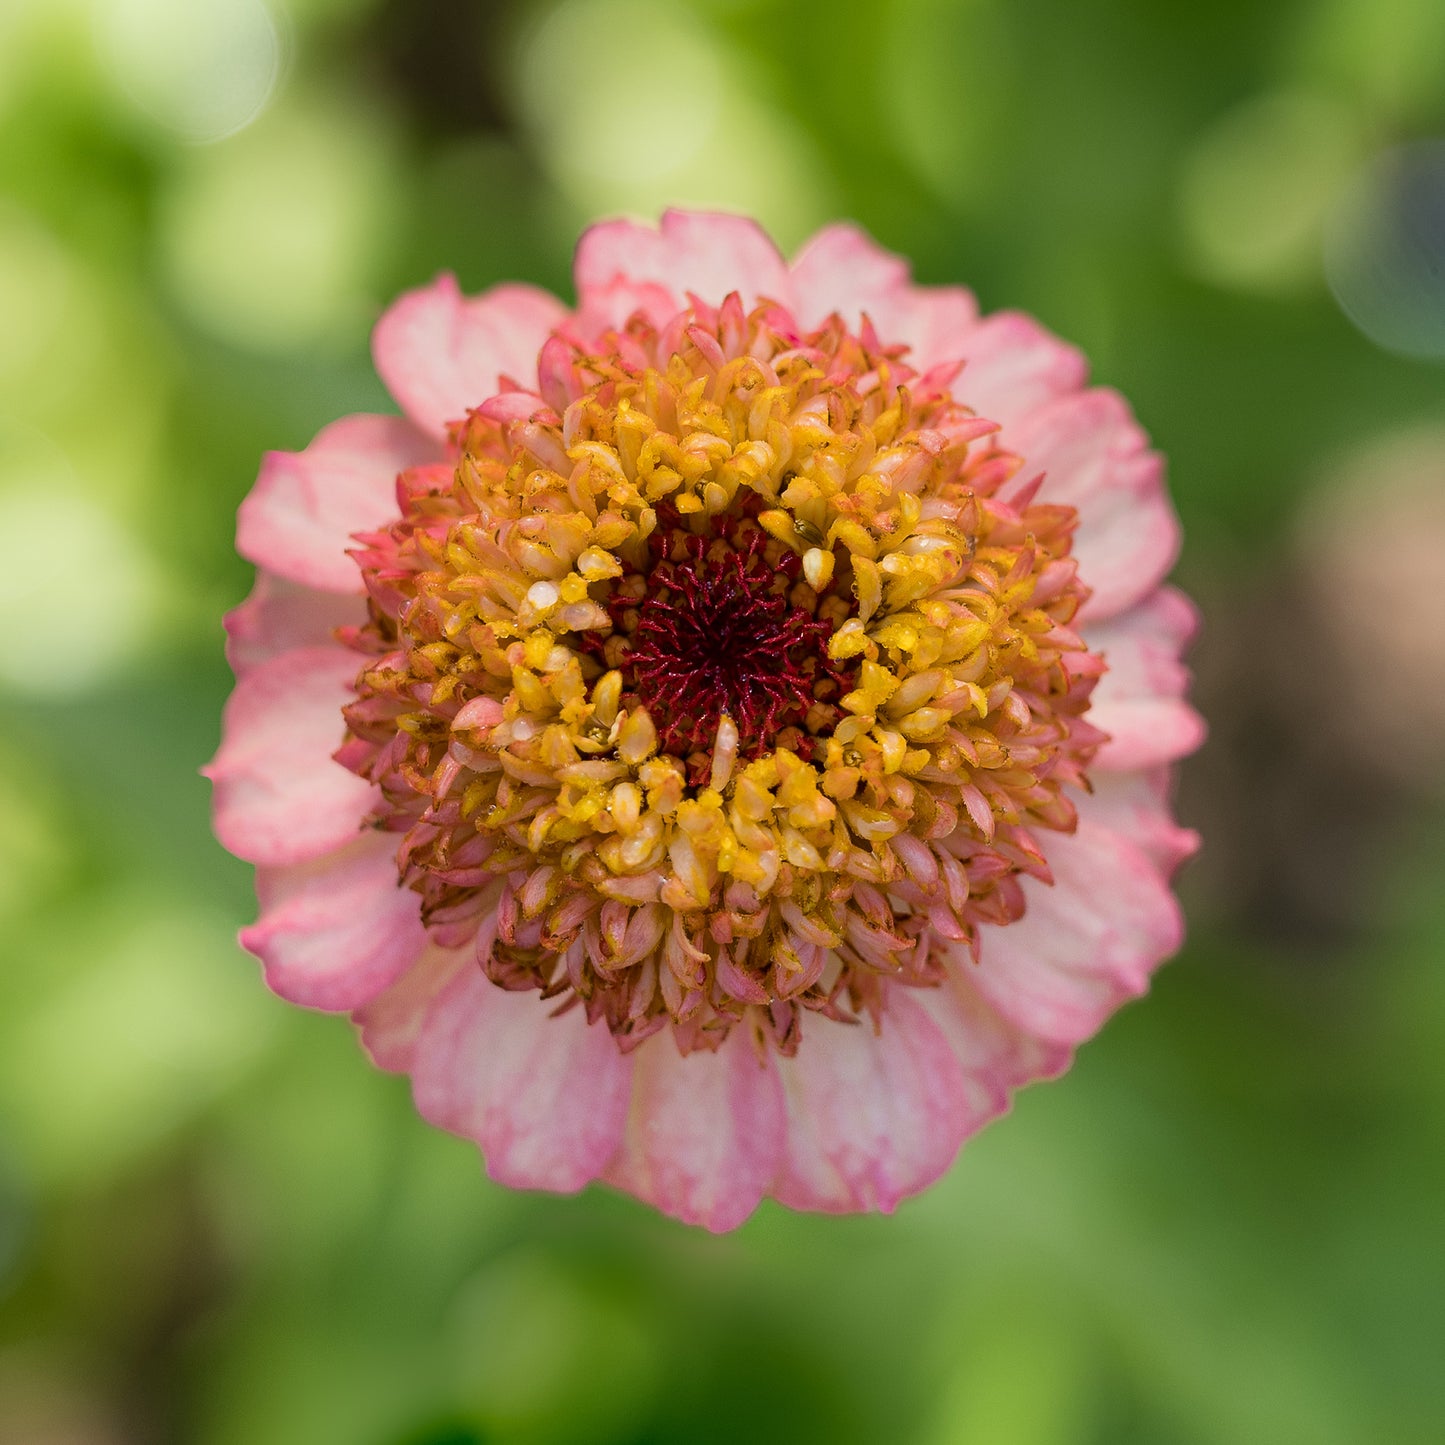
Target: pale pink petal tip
x=1093 y=456
x=335 y=933
x=299 y=518
x=843 y=269
x=705 y=1132
x=1137 y=805
x=1140 y=700
x=998 y=1057
x=1087 y=944
x=441 y=353
x=1013 y=366
x=279 y=796
x=391 y=1023
x=621 y=265
x=281 y=616
x=873 y=1116
x=544 y=1097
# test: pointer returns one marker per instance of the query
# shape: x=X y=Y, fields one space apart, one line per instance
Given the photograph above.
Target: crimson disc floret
x=713 y=629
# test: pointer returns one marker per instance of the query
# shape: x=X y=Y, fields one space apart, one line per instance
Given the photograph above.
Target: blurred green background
x=219 y=1225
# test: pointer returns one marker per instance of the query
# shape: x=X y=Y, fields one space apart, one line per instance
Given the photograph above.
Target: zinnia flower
x=717 y=740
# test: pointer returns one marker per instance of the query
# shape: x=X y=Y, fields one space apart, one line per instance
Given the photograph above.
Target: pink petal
x=1014 y=366
x=279 y=796
x=705 y=1132
x=997 y=1056
x=299 y=518
x=1085 y=945
x=1094 y=457
x=707 y=253
x=441 y=353
x=545 y=1097
x=934 y=321
x=843 y=269
x=1137 y=806
x=611 y=306
x=336 y=932
x=391 y=1023
x=872 y=1117
x=1139 y=701
x=281 y=615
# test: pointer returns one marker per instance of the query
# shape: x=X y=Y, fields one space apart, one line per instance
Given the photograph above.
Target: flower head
x=758 y=683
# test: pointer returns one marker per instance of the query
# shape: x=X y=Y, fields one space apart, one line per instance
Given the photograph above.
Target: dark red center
x=716 y=631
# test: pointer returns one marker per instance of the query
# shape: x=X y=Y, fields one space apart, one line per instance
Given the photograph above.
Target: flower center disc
x=723 y=679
